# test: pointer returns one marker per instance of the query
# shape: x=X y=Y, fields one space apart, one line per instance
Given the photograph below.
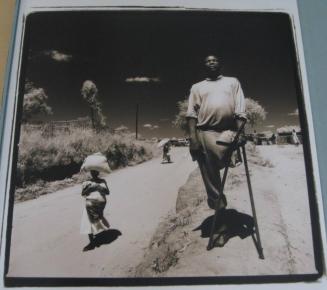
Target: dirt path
x=46 y=240
x=281 y=200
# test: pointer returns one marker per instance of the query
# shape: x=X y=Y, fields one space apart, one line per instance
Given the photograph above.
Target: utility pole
x=136 y=120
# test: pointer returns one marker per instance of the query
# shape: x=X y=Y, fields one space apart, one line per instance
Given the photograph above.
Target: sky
x=152 y=58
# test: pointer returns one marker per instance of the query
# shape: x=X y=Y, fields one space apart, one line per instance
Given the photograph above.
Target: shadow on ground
x=104 y=238
x=107 y=237
x=230 y=223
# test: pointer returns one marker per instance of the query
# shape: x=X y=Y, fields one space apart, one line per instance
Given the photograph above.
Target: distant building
x=284 y=134
x=270 y=138
x=286 y=138
x=262 y=138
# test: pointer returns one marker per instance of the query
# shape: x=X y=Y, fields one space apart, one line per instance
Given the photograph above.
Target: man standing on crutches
x=213 y=105
x=216 y=111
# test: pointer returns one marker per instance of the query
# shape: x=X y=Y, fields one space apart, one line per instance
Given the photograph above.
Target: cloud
x=295 y=113
x=151 y=127
x=142 y=79
x=270 y=126
x=58 y=56
x=121 y=128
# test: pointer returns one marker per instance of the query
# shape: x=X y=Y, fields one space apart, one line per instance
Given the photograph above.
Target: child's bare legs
x=91 y=245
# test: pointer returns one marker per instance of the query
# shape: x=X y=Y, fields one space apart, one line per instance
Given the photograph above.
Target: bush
x=61 y=155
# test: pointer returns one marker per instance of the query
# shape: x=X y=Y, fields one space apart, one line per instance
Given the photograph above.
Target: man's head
x=213 y=65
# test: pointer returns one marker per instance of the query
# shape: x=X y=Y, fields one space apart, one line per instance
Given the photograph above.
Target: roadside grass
x=46 y=164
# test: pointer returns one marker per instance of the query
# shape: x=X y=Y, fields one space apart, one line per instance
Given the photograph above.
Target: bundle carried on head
x=96 y=162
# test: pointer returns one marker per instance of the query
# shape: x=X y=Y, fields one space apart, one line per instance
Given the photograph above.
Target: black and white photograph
x=161 y=146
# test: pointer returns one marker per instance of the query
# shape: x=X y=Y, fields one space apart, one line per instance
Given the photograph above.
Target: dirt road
x=282 y=204
x=45 y=235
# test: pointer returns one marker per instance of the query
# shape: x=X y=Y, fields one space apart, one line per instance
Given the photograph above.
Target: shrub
x=61 y=155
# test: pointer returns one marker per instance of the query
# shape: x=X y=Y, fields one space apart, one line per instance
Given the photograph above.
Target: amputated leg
x=212 y=182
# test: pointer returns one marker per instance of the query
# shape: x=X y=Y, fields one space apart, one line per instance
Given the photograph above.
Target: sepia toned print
x=156 y=148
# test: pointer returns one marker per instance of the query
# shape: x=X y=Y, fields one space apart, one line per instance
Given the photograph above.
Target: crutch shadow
x=107 y=237
x=230 y=223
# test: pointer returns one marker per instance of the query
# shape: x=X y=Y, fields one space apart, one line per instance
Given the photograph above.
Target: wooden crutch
x=235 y=145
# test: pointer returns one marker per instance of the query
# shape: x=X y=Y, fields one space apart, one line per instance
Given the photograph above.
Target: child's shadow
x=229 y=223
x=107 y=237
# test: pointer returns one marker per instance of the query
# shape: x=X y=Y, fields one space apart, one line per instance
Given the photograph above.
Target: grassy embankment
x=46 y=164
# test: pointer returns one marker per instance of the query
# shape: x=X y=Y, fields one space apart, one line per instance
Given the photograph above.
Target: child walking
x=94 y=192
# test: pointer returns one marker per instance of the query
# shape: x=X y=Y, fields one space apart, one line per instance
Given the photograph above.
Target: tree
x=35 y=102
x=254 y=112
x=89 y=92
x=180 y=119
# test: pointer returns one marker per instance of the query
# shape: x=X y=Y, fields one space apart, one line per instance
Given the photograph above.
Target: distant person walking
x=295 y=139
x=273 y=139
x=165 y=153
x=94 y=191
x=255 y=138
x=216 y=107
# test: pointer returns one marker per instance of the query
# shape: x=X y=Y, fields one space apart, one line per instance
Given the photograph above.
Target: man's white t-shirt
x=215 y=103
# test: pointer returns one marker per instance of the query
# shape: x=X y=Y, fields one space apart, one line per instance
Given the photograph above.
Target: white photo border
x=25 y=7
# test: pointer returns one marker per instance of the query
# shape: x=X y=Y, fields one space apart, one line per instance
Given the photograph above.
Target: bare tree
x=35 y=102
x=89 y=92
